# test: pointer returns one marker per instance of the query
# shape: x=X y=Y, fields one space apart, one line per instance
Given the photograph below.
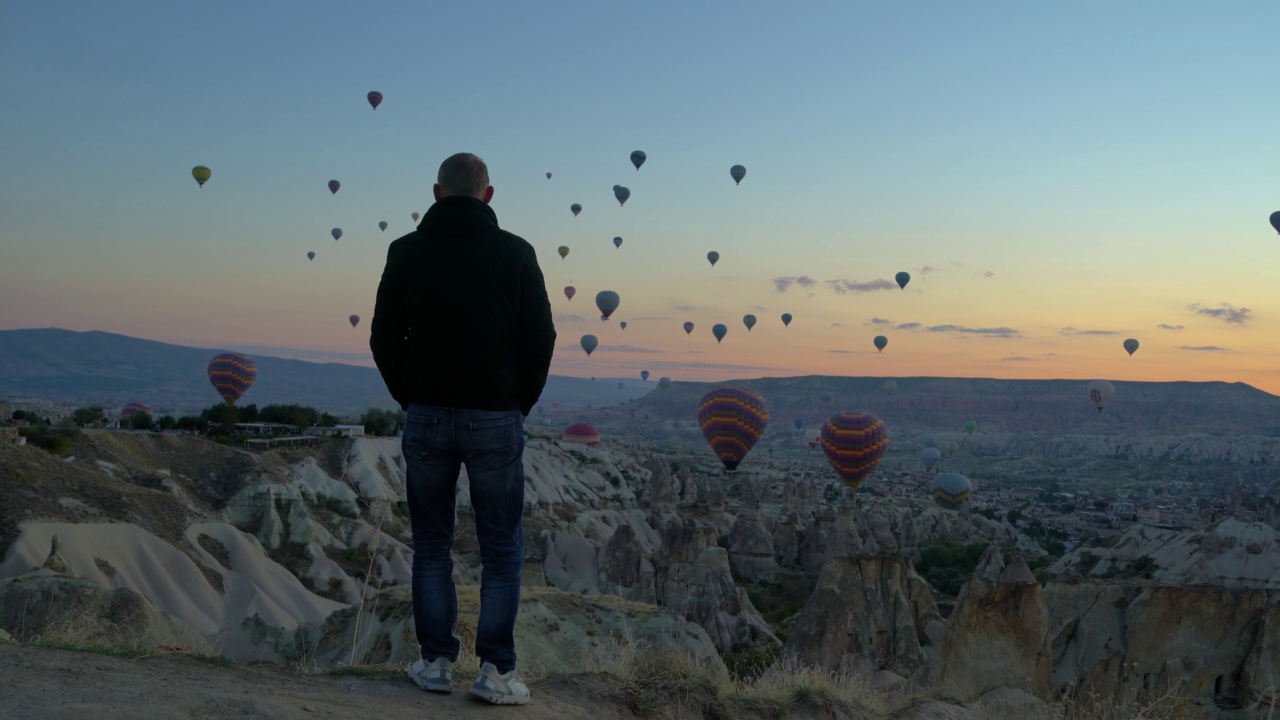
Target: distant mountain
x=1059 y=407
x=94 y=367
x=80 y=368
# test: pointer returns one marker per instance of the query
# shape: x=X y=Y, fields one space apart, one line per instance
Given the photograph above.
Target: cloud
x=1069 y=331
x=784 y=283
x=686 y=308
x=988 y=274
x=1016 y=358
x=568 y=318
x=957 y=263
x=1167 y=326
x=648 y=317
x=1000 y=332
x=1225 y=313
x=317 y=356
x=1205 y=348
x=908 y=326
x=842 y=352
x=879 y=321
x=836 y=325
x=927 y=269
x=760 y=308
x=844 y=287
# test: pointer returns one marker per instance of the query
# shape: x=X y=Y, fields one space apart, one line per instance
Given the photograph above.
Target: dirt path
x=38 y=684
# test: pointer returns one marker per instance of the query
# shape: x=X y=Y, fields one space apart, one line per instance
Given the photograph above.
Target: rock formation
x=867 y=611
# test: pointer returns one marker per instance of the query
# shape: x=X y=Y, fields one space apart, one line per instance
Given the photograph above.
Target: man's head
x=464 y=175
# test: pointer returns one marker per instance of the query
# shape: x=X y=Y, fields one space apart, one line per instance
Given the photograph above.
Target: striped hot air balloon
x=133 y=408
x=375 y=98
x=853 y=443
x=232 y=374
x=582 y=434
x=951 y=490
x=732 y=419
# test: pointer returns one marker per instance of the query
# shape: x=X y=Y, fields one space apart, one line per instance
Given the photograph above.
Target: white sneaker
x=435 y=676
x=500 y=688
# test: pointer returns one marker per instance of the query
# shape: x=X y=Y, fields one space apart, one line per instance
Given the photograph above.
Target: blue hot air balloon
x=638 y=157
x=617 y=242
x=786 y=319
x=336 y=233
x=589 y=343
x=737 y=172
x=719 y=330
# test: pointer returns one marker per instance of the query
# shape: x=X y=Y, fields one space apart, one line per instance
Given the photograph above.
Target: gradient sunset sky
x=1056 y=178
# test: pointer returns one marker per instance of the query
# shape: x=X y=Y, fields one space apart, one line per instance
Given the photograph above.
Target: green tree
x=1013 y=516
x=249 y=413
x=137 y=421
x=166 y=422
x=86 y=415
x=190 y=423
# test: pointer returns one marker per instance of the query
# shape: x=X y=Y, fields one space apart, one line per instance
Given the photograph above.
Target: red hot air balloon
x=569 y=291
x=375 y=99
x=231 y=374
x=334 y=185
x=133 y=408
x=582 y=434
x=853 y=443
x=732 y=419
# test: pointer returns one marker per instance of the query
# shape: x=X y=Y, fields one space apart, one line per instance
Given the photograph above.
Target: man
x=463 y=337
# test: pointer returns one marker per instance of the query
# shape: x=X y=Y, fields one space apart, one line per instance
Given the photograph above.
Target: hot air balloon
x=333 y=186
x=970 y=426
x=382 y=225
x=719 y=330
x=231 y=374
x=1131 y=346
x=749 y=321
x=1275 y=217
x=582 y=434
x=569 y=291
x=951 y=490
x=826 y=398
x=201 y=174
x=786 y=319
x=623 y=324
x=798 y=422
x=638 y=157
x=415 y=217
x=617 y=242
x=853 y=443
x=548 y=176
x=607 y=301
x=890 y=386
x=555 y=406
x=880 y=342
x=713 y=257
x=732 y=419
x=903 y=278
x=135 y=408
x=623 y=194
x=1100 y=393
x=644 y=375
x=737 y=172
x=688 y=328
x=354 y=320
x=375 y=99
x=813 y=436
x=930 y=457
x=575 y=209
x=336 y=233
x=664 y=383
x=589 y=343
x=930 y=441
x=564 y=251
x=311 y=255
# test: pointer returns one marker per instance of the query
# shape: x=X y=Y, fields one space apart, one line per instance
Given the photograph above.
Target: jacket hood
x=455 y=215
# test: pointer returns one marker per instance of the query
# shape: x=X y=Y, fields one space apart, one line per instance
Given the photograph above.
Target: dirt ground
x=36 y=683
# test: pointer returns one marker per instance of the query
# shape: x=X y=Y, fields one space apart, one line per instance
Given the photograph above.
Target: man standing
x=463 y=337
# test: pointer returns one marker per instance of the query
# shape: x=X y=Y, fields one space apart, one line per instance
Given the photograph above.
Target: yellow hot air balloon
x=201 y=174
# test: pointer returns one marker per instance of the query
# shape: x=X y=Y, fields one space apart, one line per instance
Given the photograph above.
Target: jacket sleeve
x=389 y=331
x=537 y=332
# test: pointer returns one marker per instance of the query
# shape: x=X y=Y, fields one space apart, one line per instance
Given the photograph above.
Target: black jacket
x=462 y=318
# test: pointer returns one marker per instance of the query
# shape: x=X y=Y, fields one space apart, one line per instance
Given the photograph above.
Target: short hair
x=463 y=174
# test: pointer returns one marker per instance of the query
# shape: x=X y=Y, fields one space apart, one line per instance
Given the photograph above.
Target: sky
x=1055 y=178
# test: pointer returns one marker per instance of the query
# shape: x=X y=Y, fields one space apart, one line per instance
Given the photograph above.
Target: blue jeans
x=437 y=441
